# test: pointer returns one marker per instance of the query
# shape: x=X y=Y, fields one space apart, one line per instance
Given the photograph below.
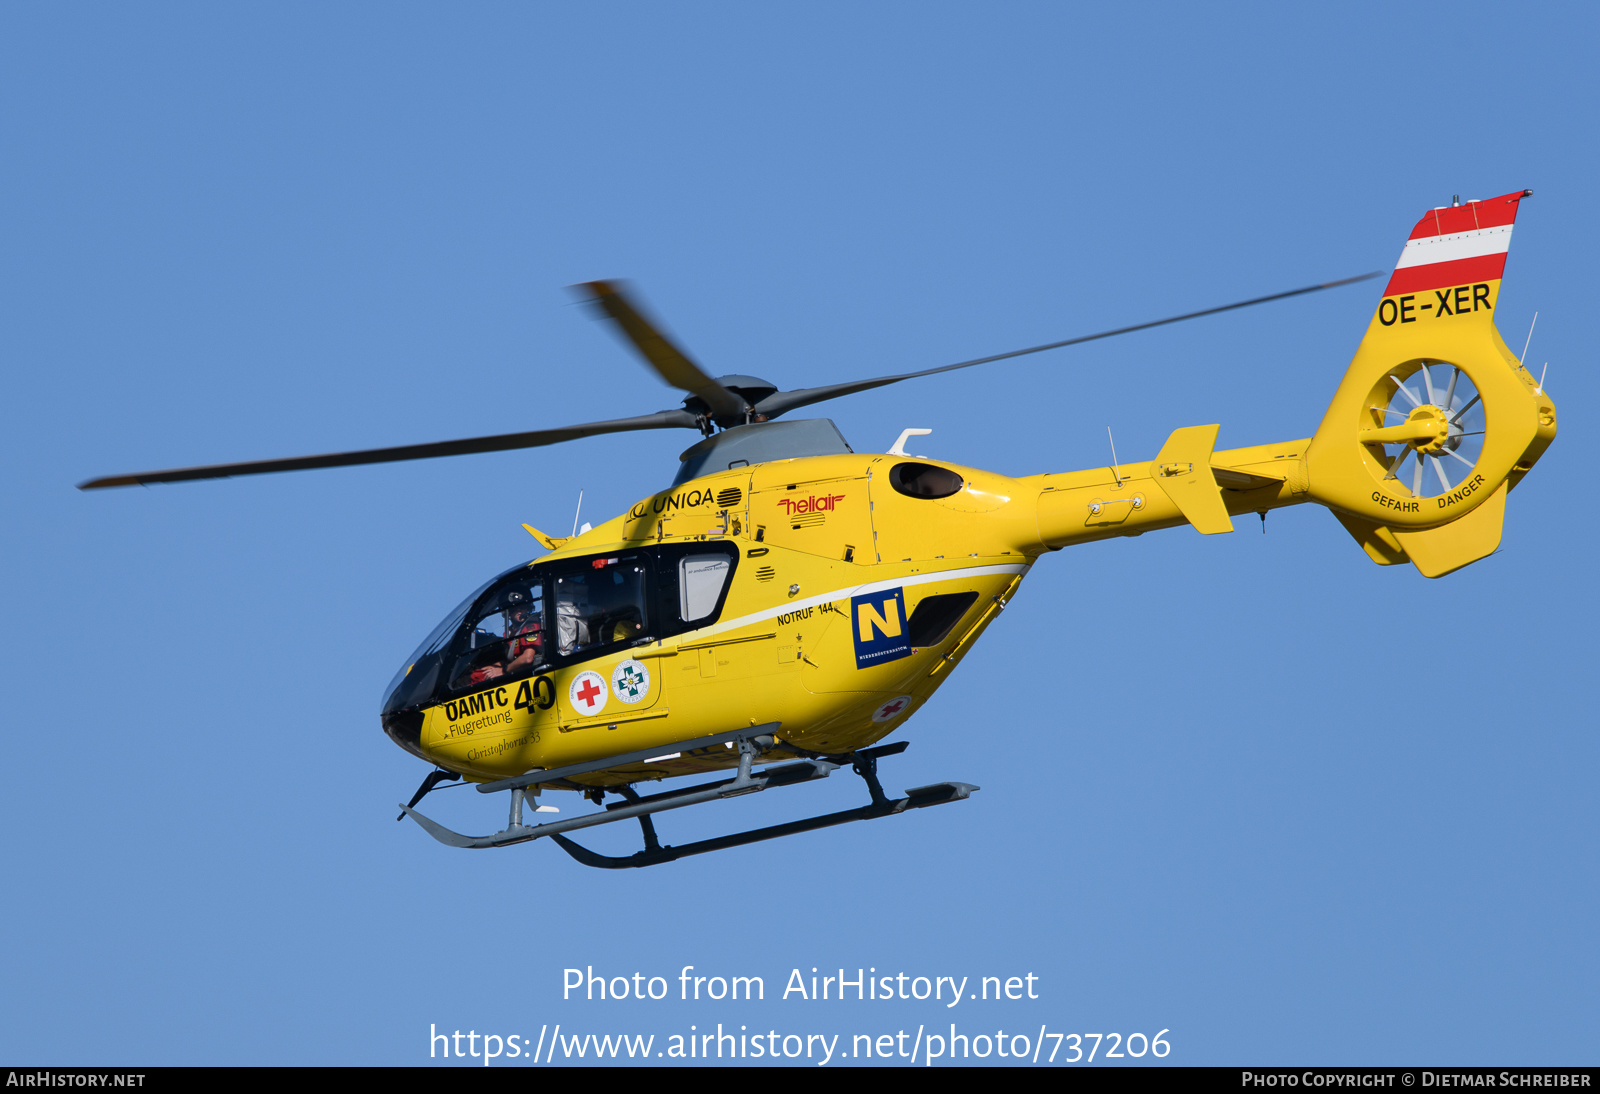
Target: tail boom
x=1433 y=424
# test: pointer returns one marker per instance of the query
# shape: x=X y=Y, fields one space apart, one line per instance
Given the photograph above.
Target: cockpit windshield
x=436 y=638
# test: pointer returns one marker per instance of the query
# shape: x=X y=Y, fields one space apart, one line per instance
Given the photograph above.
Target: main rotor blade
x=779 y=402
x=658 y=351
x=665 y=419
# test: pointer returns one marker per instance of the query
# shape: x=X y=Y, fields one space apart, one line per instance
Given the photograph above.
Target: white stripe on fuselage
x=853 y=590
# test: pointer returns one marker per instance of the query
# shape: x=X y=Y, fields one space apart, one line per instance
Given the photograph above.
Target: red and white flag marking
x=1457 y=245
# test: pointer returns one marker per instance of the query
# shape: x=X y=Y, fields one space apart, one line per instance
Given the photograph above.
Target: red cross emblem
x=891 y=709
x=588 y=693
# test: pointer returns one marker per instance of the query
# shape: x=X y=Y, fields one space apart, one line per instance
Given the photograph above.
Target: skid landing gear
x=751 y=743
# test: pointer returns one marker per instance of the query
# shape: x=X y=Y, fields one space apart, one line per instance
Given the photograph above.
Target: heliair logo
x=879 y=623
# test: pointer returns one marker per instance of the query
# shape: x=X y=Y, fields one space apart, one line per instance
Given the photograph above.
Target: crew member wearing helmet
x=524 y=631
x=524 y=638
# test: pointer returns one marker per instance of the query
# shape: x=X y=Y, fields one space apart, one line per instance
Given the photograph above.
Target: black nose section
x=404 y=728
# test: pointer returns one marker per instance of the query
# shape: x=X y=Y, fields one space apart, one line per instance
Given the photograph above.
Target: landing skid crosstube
x=750 y=742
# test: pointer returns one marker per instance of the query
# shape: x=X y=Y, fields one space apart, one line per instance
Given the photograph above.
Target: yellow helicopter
x=789 y=602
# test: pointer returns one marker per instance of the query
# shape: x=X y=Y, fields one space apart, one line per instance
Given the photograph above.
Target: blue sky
x=1254 y=790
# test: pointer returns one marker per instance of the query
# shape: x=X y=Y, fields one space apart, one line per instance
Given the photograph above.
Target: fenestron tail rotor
x=722 y=401
x=1430 y=429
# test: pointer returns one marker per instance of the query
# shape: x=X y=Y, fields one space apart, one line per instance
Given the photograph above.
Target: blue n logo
x=878 y=621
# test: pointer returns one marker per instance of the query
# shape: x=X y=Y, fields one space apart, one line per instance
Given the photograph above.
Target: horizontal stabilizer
x=1183 y=471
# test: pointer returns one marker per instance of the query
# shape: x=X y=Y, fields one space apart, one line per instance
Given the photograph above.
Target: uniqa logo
x=667 y=502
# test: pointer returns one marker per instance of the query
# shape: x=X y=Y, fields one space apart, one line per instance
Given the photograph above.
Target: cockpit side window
x=504 y=638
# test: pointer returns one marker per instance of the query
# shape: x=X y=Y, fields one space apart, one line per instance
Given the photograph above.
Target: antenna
x=576 y=515
x=899 y=448
x=1115 y=473
x=1540 y=389
x=1525 y=345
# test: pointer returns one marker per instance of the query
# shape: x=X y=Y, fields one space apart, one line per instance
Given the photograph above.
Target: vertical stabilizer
x=1435 y=418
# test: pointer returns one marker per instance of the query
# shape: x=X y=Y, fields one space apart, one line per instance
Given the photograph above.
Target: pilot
x=524 y=631
x=525 y=639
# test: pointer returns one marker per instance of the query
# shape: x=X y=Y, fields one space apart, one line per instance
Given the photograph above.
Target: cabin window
x=934 y=616
x=701 y=579
x=924 y=480
x=603 y=604
x=695 y=579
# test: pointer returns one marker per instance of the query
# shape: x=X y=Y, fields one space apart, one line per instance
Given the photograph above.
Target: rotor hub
x=750 y=389
x=1433 y=429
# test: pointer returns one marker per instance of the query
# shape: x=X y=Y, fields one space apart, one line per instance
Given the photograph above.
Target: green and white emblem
x=630 y=681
